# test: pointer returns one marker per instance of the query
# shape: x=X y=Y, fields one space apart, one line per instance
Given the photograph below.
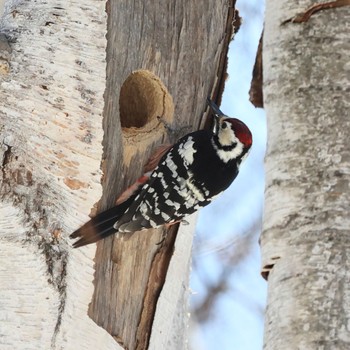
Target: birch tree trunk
x=306 y=236
x=52 y=85
x=72 y=137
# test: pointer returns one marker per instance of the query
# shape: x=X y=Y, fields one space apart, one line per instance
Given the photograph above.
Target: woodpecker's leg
x=164 y=233
x=167 y=126
x=162 y=240
x=175 y=133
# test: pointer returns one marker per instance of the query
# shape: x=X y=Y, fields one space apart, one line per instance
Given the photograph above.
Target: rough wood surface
x=185 y=45
x=305 y=241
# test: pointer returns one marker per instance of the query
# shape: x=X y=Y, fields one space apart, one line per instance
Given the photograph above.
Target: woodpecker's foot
x=161 y=241
x=176 y=133
x=183 y=222
x=164 y=233
x=167 y=126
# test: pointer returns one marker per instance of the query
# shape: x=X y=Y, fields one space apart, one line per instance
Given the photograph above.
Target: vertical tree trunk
x=181 y=49
x=305 y=242
x=68 y=151
x=50 y=134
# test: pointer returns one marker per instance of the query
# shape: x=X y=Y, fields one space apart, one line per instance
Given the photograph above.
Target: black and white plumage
x=189 y=175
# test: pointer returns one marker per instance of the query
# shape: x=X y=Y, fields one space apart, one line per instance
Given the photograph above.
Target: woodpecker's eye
x=224 y=125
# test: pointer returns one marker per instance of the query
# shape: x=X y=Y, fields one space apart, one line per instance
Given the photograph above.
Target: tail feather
x=101 y=226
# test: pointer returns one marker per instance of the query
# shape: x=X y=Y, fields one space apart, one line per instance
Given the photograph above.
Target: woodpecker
x=180 y=180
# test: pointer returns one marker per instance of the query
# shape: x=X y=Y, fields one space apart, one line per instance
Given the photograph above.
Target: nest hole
x=143 y=100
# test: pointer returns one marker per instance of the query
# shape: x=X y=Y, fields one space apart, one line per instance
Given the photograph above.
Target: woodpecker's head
x=232 y=138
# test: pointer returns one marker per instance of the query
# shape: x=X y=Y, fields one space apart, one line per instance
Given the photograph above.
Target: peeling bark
x=256 y=87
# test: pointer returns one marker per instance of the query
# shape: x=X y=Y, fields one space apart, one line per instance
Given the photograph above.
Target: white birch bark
x=51 y=134
x=305 y=241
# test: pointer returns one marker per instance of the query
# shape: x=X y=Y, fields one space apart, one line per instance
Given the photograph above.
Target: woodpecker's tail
x=101 y=226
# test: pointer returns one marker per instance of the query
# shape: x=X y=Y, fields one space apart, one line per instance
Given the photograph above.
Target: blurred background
x=228 y=292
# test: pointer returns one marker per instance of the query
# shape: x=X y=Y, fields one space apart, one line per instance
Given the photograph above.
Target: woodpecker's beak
x=218 y=115
x=215 y=109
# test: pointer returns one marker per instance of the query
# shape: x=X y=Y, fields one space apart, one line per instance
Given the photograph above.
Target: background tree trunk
x=54 y=75
x=305 y=243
